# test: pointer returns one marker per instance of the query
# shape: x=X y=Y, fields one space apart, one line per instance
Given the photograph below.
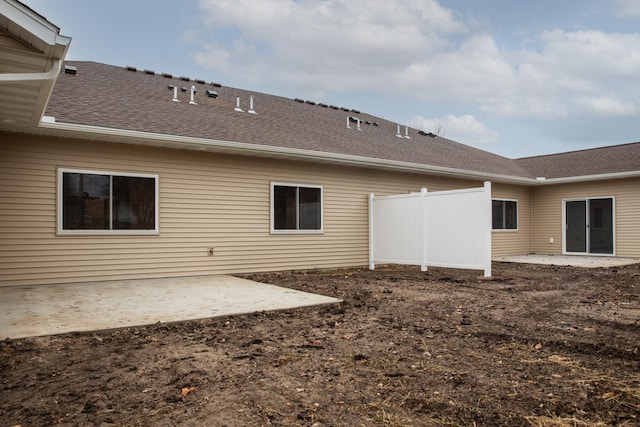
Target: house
x=113 y=172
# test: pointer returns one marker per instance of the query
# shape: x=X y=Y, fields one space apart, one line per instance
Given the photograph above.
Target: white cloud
x=418 y=49
x=627 y=8
x=341 y=44
x=465 y=128
x=608 y=107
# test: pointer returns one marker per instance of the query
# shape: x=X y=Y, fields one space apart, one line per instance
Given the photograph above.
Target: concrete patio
x=54 y=309
x=569 y=260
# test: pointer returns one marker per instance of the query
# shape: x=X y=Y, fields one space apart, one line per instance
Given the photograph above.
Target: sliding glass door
x=589 y=226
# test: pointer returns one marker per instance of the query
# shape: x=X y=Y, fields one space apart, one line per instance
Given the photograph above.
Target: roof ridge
x=216 y=84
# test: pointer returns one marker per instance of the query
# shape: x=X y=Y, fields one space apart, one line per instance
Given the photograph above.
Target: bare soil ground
x=532 y=346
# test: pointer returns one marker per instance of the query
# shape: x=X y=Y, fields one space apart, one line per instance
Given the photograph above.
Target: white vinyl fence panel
x=442 y=229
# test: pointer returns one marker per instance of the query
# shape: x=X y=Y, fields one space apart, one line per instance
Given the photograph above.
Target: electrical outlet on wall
x=551 y=240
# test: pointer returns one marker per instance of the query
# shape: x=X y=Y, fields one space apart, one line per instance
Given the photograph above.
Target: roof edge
x=587 y=178
x=36 y=25
x=126 y=136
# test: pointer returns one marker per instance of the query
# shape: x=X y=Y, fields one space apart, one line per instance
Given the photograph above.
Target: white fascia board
x=248 y=149
x=587 y=178
x=55 y=45
x=33 y=23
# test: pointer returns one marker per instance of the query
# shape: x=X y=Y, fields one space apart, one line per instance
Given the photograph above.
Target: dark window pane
x=284 y=207
x=504 y=215
x=85 y=201
x=497 y=216
x=310 y=209
x=510 y=215
x=133 y=203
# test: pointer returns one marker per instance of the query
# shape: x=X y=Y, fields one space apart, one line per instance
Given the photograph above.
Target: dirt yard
x=532 y=346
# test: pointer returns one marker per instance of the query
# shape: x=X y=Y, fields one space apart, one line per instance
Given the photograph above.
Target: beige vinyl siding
x=510 y=242
x=548 y=221
x=205 y=200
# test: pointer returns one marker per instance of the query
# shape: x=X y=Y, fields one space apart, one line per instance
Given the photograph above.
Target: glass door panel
x=576 y=226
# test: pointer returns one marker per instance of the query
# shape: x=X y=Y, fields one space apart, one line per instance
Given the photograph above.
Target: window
x=296 y=208
x=504 y=214
x=91 y=202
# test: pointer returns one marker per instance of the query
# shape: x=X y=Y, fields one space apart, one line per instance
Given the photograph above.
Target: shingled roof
x=124 y=98
x=596 y=161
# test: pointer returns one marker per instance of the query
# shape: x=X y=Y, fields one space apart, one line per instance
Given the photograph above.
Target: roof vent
x=354 y=120
x=211 y=93
x=200 y=81
x=310 y=102
x=175 y=92
x=193 y=94
x=299 y=100
x=238 y=109
x=149 y=72
x=184 y=89
x=216 y=84
x=130 y=68
x=167 y=75
x=335 y=107
x=251 y=110
x=69 y=69
x=406 y=133
x=185 y=79
x=344 y=109
x=355 y=111
x=423 y=133
x=323 y=105
x=398 y=134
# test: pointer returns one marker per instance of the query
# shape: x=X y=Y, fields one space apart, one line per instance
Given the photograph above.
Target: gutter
x=46 y=81
x=49 y=125
x=56 y=67
x=587 y=178
x=241 y=148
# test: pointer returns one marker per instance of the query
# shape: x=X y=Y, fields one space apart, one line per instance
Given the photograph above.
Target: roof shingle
x=121 y=98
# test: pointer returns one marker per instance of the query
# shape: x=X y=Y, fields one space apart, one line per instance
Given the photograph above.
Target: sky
x=517 y=78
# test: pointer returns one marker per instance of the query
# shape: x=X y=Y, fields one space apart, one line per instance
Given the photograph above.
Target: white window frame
x=564 y=226
x=59 y=200
x=297 y=231
x=506 y=230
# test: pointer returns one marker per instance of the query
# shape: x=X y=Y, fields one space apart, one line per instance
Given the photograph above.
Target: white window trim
x=272 y=213
x=61 y=231
x=508 y=230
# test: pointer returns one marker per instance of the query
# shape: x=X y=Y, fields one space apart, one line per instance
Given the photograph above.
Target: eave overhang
x=31 y=62
x=49 y=127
